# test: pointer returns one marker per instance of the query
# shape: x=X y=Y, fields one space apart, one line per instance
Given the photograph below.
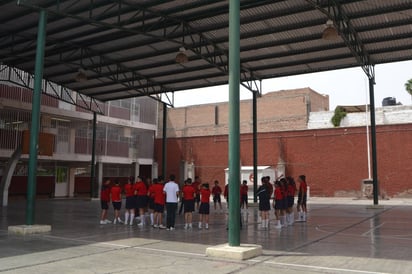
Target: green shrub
x=340 y=113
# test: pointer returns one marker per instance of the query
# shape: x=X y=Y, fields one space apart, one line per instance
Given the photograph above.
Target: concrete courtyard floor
x=342 y=235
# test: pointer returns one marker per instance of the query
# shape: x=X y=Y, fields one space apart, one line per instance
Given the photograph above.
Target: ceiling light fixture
x=181 y=57
x=81 y=76
x=330 y=32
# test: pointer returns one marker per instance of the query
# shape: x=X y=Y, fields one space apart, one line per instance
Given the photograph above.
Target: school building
x=123 y=147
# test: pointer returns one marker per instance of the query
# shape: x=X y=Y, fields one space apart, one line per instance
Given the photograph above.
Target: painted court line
x=129 y=246
x=372 y=229
x=169 y=251
x=326 y=268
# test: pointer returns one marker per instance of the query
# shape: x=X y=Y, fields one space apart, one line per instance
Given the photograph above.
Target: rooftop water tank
x=389 y=101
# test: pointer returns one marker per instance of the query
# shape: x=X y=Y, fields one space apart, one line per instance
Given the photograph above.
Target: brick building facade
x=334 y=160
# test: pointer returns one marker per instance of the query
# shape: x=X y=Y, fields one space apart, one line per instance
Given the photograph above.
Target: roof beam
x=206 y=50
x=333 y=10
x=26 y=80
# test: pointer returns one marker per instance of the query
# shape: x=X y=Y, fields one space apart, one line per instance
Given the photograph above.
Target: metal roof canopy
x=128 y=48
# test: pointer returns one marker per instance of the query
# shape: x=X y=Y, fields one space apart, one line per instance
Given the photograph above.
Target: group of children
x=150 y=197
x=283 y=200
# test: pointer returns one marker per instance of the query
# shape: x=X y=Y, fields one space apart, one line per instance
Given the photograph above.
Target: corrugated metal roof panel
x=127 y=47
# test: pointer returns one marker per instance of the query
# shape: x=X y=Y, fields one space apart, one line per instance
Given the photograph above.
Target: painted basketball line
x=128 y=246
x=315 y=267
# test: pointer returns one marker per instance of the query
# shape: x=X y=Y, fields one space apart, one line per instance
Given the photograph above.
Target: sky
x=344 y=86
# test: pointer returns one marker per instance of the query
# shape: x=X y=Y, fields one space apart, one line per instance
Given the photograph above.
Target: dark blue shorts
x=264 y=205
x=159 y=208
x=141 y=201
x=117 y=205
x=291 y=201
x=104 y=204
x=131 y=202
x=188 y=205
x=302 y=200
x=280 y=204
x=204 y=208
x=216 y=198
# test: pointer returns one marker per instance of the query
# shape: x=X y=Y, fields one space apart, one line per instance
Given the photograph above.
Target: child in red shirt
x=204 y=208
x=291 y=190
x=159 y=198
x=130 y=201
x=140 y=190
x=244 y=195
x=188 y=195
x=278 y=203
x=217 y=191
x=116 y=194
x=302 y=197
x=104 y=201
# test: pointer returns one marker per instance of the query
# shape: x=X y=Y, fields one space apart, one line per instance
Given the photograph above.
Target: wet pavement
x=342 y=235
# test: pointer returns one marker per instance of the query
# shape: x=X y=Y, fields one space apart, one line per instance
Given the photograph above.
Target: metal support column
x=164 y=143
x=35 y=118
x=373 y=141
x=255 y=150
x=93 y=193
x=234 y=124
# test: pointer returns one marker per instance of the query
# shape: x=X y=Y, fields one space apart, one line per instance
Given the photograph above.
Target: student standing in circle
x=278 y=203
x=188 y=195
x=116 y=194
x=302 y=197
x=244 y=189
x=141 y=199
x=216 y=192
x=171 y=189
x=264 y=203
x=204 y=208
x=104 y=201
x=291 y=190
x=196 y=185
x=159 y=202
x=130 y=201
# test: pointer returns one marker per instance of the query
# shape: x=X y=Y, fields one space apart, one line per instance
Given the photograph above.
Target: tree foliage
x=408 y=86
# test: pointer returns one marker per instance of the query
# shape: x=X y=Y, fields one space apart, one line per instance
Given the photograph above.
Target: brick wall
x=334 y=160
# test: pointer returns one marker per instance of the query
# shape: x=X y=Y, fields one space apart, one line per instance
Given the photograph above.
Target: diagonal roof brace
x=173 y=29
x=333 y=10
x=26 y=80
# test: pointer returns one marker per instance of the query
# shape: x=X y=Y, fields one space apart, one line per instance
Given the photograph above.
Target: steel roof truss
x=334 y=11
x=26 y=80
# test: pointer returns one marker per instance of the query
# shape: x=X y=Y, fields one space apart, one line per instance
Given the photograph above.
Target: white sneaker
x=140 y=224
x=172 y=228
x=207 y=226
x=190 y=226
x=200 y=226
x=120 y=221
x=162 y=227
x=186 y=226
x=103 y=222
x=155 y=226
x=108 y=221
x=114 y=221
